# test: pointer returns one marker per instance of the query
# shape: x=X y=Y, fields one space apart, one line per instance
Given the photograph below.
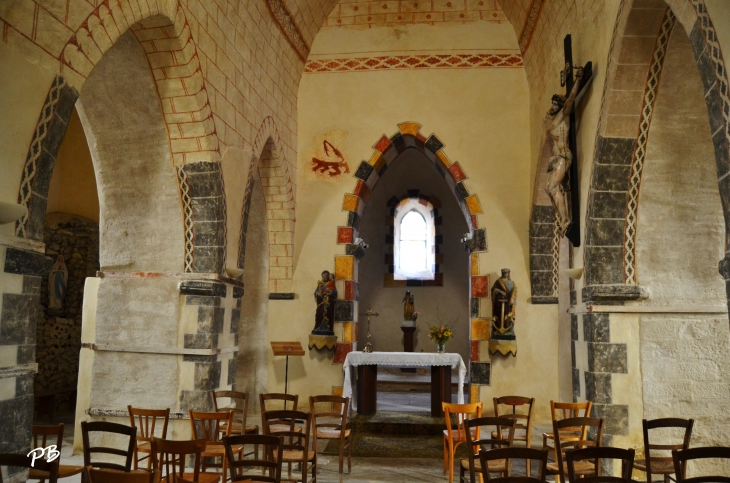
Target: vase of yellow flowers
x=440 y=334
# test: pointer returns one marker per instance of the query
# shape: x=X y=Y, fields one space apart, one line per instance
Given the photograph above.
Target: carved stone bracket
x=614 y=293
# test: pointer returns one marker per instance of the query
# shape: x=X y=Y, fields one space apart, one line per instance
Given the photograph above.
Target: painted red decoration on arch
x=480 y=286
x=382 y=144
x=344 y=234
x=362 y=190
x=333 y=165
x=341 y=352
x=350 y=290
x=474 y=353
x=457 y=172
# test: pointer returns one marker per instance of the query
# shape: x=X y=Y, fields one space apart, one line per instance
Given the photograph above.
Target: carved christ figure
x=557 y=128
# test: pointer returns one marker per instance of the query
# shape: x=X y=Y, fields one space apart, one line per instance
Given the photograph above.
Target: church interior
x=262 y=196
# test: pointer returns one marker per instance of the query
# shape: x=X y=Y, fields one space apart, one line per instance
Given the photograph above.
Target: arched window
x=414 y=237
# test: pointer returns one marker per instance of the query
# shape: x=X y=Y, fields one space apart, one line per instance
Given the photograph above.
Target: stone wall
x=58 y=333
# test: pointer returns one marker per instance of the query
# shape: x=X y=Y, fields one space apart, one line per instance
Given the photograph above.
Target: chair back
x=145 y=420
x=567 y=410
x=275 y=401
x=239 y=407
x=269 y=464
x=507 y=407
x=23 y=461
x=211 y=426
x=626 y=456
x=565 y=431
x=681 y=457
x=649 y=447
x=44 y=436
x=91 y=452
x=480 y=434
x=509 y=454
x=329 y=414
x=461 y=413
x=292 y=439
x=170 y=458
x=100 y=475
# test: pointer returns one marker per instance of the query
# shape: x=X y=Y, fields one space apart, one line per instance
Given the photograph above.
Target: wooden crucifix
x=562 y=176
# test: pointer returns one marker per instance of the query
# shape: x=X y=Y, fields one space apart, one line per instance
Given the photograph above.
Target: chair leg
x=342 y=454
x=349 y=454
x=446 y=457
x=452 y=451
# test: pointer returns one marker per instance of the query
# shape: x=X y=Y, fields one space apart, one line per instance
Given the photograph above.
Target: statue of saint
x=325 y=296
x=57 y=280
x=504 y=300
x=408 y=306
x=556 y=126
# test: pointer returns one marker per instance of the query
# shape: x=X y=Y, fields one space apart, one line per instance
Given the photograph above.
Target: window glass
x=413 y=247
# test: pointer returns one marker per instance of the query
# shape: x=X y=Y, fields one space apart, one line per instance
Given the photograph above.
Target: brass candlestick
x=368 y=345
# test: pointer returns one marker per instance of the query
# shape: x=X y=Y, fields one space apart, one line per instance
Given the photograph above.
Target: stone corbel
x=614 y=293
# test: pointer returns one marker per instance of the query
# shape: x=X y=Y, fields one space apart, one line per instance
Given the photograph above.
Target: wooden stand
x=287 y=349
x=408 y=345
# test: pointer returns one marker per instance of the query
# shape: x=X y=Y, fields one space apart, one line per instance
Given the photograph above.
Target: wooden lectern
x=287 y=349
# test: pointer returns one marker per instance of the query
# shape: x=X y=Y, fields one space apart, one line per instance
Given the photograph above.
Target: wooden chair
x=170 y=459
x=454 y=437
x=474 y=429
x=109 y=428
x=564 y=410
x=626 y=456
x=210 y=430
x=276 y=402
x=23 y=461
x=99 y=475
x=662 y=465
x=331 y=423
x=507 y=455
x=146 y=421
x=506 y=407
x=295 y=439
x=681 y=457
x=270 y=462
x=41 y=440
x=239 y=408
x=565 y=431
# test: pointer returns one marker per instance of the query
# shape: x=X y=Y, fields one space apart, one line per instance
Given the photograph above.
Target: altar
x=367 y=371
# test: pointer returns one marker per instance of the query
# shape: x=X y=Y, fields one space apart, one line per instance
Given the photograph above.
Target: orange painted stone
x=351 y=202
x=480 y=329
x=345 y=267
x=472 y=202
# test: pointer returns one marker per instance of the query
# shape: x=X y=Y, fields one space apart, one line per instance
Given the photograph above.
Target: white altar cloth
x=402 y=359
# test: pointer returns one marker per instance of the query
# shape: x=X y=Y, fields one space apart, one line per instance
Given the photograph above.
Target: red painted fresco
x=341 y=352
x=474 y=353
x=480 y=286
x=333 y=165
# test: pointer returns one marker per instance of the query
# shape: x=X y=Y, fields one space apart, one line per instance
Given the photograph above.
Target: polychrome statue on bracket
x=504 y=299
x=409 y=307
x=325 y=295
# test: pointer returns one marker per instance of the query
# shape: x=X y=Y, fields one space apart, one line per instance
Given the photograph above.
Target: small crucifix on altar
x=368 y=345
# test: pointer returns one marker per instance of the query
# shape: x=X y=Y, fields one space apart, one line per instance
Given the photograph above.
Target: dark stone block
x=543 y=300
x=209 y=359
x=16 y=421
x=18 y=319
x=696 y=39
x=56 y=132
x=616 y=417
x=479 y=240
x=576 y=384
x=195 y=400
x=24 y=385
x=610 y=177
x=22 y=262
x=706 y=69
x=474 y=307
x=364 y=171
x=615 y=150
x=235 y=319
x=572 y=354
x=414 y=283
x=204 y=185
x=434 y=144
x=66 y=102
x=26 y=354
x=461 y=192
x=281 y=296
x=42 y=178
x=542 y=214
x=438 y=239
x=202 y=167
x=598 y=387
x=200 y=341
x=203 y=287
x=344 y=310
x=238 y=292
x=353 y=220
x=573 y=327
x=542 y=246
x=211 y=209
x=207 y=376
x=722 y=158
x=208 y=259
x=209 y=233
x=613 y=293
x=210 y=319
x=604 y=265
x=607 y=358
x=203 y=300
x=596 y=328
x=32 y=285
x=357 y=250
x=389 y=239
x=413 y=193
x=398 y=142
x=541 y=230
x=573 y=298
x=542 y=284
x=609 y=204
x=232 y=367
x=541 y=262
x=481 y=373
x=35 y=225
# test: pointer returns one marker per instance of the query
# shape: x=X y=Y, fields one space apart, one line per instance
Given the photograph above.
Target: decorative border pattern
x=556 y=258
x=444 y=61
x=284 y=20
x=182 y=177
x=530 y=24
x=35 y=151
x=637 y=163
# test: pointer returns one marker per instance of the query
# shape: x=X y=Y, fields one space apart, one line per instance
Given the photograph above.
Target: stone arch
x=270 y=166
x=386 y=150
x=186 y=115
x=627 y=106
